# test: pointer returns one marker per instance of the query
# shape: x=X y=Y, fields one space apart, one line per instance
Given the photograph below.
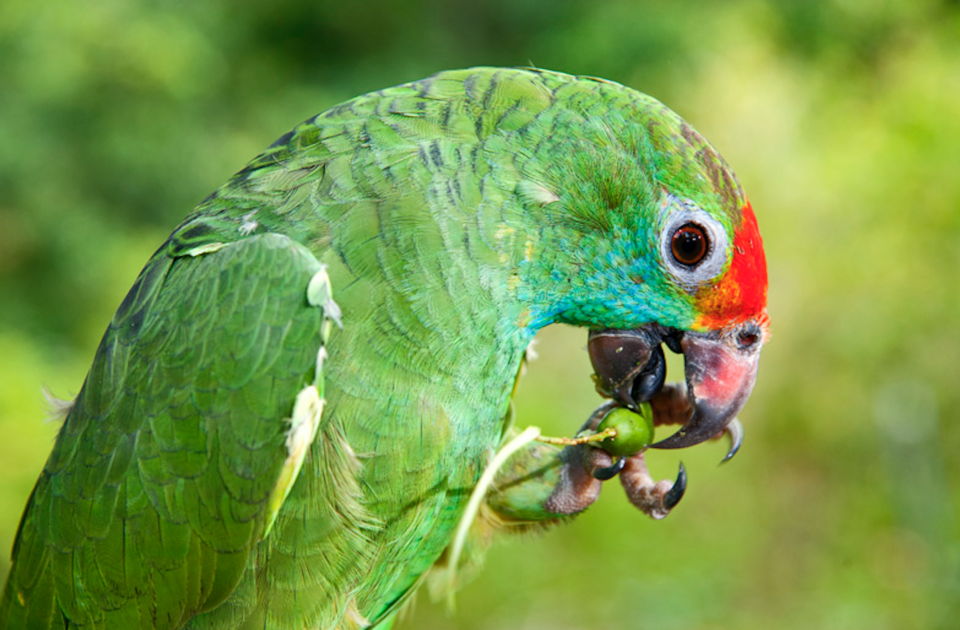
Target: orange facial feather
x=741 y=292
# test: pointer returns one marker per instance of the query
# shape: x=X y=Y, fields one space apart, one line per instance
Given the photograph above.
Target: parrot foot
x=579 y=484
x=586 y=466
x=654 y=498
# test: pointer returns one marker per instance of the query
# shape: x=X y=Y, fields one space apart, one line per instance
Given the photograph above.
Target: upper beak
x=721 y=369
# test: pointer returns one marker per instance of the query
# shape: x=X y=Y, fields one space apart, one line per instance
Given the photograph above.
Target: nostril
x=747 y=339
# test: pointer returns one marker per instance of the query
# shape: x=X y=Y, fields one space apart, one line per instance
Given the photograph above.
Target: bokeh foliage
x=842 y=119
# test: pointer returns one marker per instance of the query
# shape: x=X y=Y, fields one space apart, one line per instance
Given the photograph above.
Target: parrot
x=288 y=413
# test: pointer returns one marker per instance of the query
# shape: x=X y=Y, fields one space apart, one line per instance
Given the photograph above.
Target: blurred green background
x=842 y=120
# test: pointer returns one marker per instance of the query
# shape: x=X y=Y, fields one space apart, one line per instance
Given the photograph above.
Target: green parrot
x=286 y=417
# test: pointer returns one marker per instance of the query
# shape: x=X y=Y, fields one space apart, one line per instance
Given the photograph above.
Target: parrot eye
x=693 y=244
x=689 y=245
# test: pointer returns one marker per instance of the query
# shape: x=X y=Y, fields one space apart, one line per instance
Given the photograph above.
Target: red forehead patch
x=741 y=292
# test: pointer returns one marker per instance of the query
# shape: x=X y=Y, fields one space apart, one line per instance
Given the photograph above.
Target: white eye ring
x=692 y=277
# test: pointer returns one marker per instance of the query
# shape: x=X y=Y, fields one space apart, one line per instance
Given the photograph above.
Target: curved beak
x=721 y=369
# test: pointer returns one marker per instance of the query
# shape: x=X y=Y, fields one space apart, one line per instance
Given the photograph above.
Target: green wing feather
x=159 y=484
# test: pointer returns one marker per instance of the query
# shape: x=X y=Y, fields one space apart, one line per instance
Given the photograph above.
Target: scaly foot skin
x=670 y=405
x=653 y=498
x=578 y=486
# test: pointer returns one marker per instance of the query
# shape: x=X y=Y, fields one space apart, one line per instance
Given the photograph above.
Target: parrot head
x=725 y=275
x=659 y=246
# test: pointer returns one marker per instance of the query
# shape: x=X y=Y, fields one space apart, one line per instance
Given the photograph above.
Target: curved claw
x=611 y=471
x=672 y=498
x=735 y=431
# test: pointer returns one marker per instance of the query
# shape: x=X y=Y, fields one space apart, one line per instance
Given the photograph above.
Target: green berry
x=634 y=430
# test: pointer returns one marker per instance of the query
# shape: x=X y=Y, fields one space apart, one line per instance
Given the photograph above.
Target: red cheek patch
x=742 y=291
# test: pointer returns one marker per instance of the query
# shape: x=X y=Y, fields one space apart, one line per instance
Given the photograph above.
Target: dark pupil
x=689 y=244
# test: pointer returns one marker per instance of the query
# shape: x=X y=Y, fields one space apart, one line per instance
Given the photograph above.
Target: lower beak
x=720 y=372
